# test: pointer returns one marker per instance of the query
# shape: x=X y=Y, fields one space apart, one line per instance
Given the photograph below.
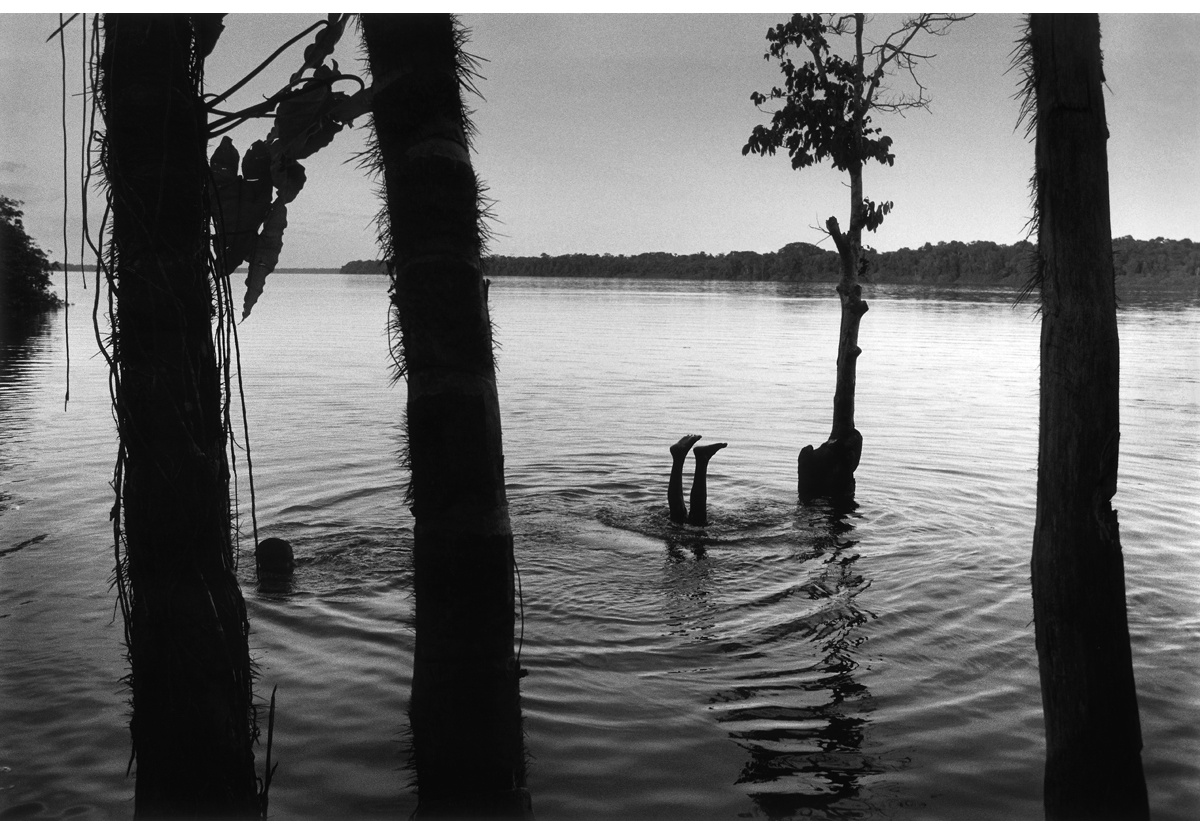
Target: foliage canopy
x=24 y=268
x=825 y=103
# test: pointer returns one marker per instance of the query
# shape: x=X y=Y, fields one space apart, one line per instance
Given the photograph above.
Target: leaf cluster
x=251 y=205
x=824 y=107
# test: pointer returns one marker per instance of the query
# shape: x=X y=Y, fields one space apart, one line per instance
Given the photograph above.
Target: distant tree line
x=1156 y=261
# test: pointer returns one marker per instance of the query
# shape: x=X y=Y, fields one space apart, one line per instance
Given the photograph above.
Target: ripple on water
x=874 y=662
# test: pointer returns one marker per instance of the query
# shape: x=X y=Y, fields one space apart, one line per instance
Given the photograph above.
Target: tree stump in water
x=828 y=471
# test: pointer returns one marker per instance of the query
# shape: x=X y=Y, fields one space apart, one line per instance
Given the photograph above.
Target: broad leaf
x=288 y=179
x=224 y=161
x=302 y=123
x=256 y=165
x=266 y=255
x=241 y=206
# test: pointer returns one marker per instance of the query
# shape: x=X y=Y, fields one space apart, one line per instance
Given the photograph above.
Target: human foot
x=681 y=447
x=703 y=453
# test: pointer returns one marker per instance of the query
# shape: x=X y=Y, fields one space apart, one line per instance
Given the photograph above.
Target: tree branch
x=904 y=58
x=835 y=231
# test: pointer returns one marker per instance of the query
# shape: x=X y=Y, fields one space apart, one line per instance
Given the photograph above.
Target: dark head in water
x=274 y=557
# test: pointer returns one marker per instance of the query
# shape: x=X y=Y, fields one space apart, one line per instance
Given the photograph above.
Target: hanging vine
x=251 y=203
x=245 y=204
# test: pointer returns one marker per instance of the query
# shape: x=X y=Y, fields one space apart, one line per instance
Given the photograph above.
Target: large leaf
x=288 y=179
x=266 y=255
x=256 y=164
x=224 y=161
x=242 y=205
x=302 y=123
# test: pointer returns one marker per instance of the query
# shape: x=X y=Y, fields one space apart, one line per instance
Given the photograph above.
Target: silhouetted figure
x=699 y=512
x=274 y=557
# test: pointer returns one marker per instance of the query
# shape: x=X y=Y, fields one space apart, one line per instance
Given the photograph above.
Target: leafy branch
x=250 y=206
x=823 y=110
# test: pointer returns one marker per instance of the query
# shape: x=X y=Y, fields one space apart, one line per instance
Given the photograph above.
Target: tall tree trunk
x=1093 y=737
x=192 y=723
x=829 y=469
x=853 y=309
x=465 y=708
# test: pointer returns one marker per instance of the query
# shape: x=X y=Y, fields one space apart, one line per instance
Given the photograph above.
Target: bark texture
x=192 y=722
x=465 y=708
x=1093 y=736
x=829 y=469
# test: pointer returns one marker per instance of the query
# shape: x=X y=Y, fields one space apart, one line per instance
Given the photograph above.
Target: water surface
x=874 y=661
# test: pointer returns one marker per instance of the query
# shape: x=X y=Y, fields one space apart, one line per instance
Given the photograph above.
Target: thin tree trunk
x=192 y=723
x=853 y=309
x=465 y=708
x=1093 y=737
x=829 y=469
x=849 y=291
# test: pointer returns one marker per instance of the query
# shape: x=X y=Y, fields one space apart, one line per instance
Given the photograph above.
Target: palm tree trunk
x=465 y=708
x=1093 y=736
x=186 y=626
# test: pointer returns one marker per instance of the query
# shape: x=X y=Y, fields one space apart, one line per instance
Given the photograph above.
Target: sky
x=622 y=133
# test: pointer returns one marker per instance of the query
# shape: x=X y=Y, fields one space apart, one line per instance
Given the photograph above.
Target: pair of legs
x=699 y=511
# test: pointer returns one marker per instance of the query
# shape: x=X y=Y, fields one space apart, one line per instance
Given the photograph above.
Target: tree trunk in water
x=1093 y=737
x=829 y=469
x=192 y=723
x=465 y=708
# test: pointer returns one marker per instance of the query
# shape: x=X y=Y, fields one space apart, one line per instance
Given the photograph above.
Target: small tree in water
x=825 y=114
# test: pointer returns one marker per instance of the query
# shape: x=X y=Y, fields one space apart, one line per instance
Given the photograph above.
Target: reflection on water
x=799 y=713
x=805 y=739
x=774 y=591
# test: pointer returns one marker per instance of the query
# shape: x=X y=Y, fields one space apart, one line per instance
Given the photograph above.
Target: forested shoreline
x=980 y=263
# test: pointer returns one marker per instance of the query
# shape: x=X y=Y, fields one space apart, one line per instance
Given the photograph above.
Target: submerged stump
x=828 y=470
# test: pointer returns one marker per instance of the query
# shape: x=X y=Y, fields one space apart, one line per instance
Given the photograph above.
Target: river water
x=871 y=662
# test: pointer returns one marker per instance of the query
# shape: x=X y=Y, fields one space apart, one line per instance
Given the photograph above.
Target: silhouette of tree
x=24 y=268
x=185 y=618
x=465 y=707
x=824 y=113
x=1093 y=734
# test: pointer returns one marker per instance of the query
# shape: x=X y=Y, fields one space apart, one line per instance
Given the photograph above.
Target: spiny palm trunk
x=1093 y=736
x=192 y=723
x=465 y=708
